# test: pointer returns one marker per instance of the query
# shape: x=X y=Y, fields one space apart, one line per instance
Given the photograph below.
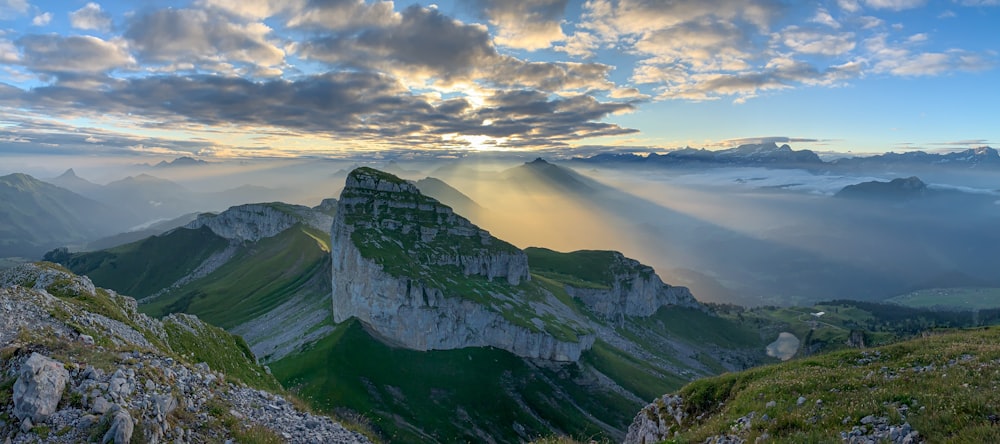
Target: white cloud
x=253 y=9
x=895 y=5
x=979 y=2
x=90 y=17
x=525 y=24
x=10 y=9
x=869 y=22
x=849 y=5
x=579 y=44
x=813 y=42
x=8 y=53
x=823 y=17
x=42 y=19
x=898 y=59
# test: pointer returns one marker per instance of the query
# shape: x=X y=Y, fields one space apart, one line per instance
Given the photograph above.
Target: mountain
x=540 y=173
x=433 y=313
x=934 y=389
x=80 y=364
x=981 y=158
x=895 y=190
x=412 y=316
x=36 y=216
x=773 y=156
x=450 y=196
x=764 y=154
x=70 y=181
x=181 y=162
x=260 y=270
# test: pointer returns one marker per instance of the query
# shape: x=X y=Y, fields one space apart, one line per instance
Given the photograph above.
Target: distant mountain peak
x=895 y=189
x=181 y=162
x=69 y=174
x=538 y=161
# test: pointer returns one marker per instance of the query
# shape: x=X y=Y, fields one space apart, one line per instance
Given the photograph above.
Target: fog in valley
x=744 y=235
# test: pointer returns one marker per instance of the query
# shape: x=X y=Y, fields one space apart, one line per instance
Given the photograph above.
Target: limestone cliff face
x=253 y=222
x=430 y=278
x=635 y=290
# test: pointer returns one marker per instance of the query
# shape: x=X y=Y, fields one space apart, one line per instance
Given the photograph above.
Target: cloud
x=979 y=2
x=849 y=5
x=73 y=55
x=343 y=15
x=10 y=9
x=42 y=19
x=767 y=139
x=895 y=5
x=252 y=9
x=823 y=17
x=525 y=24
x=579 y=44
x=204 y=40
x=90 y=17
x=357 y=106
x=900 y=60
x=814 y=42
x=8 y=53
x=423 y=43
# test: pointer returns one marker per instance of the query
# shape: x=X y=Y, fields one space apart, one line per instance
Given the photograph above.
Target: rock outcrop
x=423 y=277
x=635 y=290
x=657 y=421
x=118 y=376
x=38 y=388
x=253 y=222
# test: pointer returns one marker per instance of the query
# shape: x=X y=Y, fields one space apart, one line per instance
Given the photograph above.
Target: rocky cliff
x=423 y=277
x=253 y=222
x=635 y=290
x=80 y=364
x=608 y=283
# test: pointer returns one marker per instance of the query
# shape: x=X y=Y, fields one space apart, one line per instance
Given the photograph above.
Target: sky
x=343 y=78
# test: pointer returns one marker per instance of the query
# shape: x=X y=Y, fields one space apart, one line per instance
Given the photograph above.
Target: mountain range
x=330 y=313
x=390 y=304
x=774 y=156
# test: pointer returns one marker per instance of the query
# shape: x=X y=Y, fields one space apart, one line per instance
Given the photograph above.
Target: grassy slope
x=144 y=267
x=257 y=279
x=949 y=402
x=452 y=395
x=584 y=268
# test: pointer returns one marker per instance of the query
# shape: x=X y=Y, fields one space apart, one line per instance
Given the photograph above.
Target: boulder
x=121 y=429
x=39 y=387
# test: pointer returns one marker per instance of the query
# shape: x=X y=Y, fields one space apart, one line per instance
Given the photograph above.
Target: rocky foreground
x=80 y=364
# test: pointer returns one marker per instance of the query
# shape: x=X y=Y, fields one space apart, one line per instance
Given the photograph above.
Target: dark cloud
x=62 y=56
x=424 y=40
x=350 y=105
x=196 y=38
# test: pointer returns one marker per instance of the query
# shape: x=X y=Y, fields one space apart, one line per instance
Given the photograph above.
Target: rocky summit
x=80 y=364
x=423 y=277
